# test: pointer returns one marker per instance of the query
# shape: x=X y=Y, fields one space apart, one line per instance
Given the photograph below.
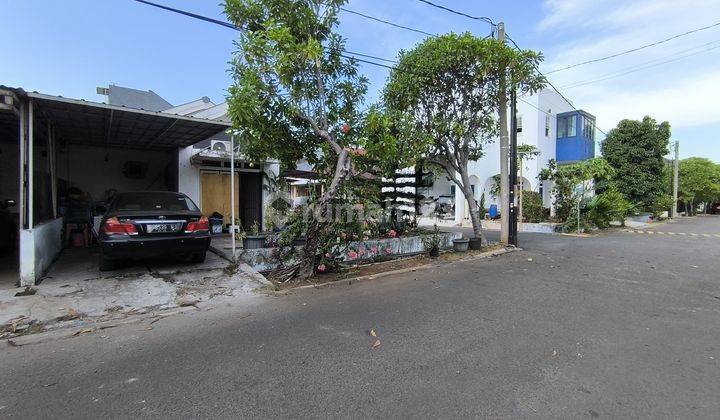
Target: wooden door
x=216 y=194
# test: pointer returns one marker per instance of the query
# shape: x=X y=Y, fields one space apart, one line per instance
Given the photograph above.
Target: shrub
x=609 y=206
x=661 y=204
x=533 y=210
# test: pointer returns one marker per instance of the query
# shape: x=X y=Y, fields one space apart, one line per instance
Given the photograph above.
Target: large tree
x=296 y=94
x=448 y=90
x=699 y=183
x=636 y=150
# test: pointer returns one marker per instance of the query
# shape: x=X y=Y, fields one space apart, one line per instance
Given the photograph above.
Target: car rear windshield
x=153 y=202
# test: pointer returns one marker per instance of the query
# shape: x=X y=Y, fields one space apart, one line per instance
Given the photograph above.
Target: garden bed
x=267 y=259
x=368 y=269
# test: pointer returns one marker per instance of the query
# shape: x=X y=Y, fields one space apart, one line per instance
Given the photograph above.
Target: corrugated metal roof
x=90 y=123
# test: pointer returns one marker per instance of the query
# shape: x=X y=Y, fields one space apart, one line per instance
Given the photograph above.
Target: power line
x=551 y=85
x=192 y=15
x=447 y=9
x=642 y=47
x=240 y=29
x=386 y=22
x=646 y=65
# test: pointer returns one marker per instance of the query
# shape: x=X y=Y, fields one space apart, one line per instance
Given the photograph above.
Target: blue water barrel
x=493 y=211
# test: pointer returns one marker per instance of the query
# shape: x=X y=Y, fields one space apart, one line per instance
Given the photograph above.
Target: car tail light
x=202 y=225
x=113 y=226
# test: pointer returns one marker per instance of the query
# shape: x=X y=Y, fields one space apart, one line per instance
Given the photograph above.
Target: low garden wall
x=264 y=259
x=524 y=227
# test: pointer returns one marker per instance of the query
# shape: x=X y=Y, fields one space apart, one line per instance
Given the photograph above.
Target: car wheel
x=199 y=257
x=106 y=264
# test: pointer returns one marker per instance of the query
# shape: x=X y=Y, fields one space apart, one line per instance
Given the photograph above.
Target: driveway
x=615 y=325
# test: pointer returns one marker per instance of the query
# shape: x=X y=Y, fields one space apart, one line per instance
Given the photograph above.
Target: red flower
x=392 y=233
x=321 y=268
x=388 y=250
x=352 y=255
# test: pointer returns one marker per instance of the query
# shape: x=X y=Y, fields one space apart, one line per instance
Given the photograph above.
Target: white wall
x=39 y=247
x=188 y=175
x=85 y=168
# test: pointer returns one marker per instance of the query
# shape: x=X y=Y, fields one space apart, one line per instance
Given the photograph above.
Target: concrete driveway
x=75 y=288
x=617 y=325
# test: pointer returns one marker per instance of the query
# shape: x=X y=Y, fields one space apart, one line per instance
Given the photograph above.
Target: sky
x=70 y=47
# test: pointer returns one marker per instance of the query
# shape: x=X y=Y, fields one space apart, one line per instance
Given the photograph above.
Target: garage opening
x=70 y=157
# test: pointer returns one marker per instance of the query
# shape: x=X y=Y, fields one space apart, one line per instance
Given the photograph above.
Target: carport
x=56 y=144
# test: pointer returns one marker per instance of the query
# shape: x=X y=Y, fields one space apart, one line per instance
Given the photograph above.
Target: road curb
x=484 y=255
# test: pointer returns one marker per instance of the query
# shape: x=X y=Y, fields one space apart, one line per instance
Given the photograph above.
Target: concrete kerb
x=484 y=255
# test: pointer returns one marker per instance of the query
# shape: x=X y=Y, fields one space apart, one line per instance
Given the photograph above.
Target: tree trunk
x=323 y=216
x=472 y=206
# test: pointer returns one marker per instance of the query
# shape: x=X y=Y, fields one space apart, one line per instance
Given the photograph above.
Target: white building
x=538 y=118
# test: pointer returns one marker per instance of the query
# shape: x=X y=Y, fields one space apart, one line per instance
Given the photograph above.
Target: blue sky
x=70 y=47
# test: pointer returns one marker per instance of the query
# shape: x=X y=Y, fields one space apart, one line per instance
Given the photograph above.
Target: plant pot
x=434 y=252
x=254 y=241
x=476 y=244
x=461 y=245
x=301 y=241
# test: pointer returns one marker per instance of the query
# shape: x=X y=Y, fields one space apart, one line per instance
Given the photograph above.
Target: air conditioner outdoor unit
x=220 y=146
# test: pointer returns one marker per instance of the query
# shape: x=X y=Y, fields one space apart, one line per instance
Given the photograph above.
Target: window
x=151 y=201
x=566 y=127
x=588 y=128
x=518 y=122
x=547 y=125
x=452 y=190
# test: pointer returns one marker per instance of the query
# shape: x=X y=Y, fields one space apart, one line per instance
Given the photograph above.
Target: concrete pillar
x=27 y=239
x=460 y=204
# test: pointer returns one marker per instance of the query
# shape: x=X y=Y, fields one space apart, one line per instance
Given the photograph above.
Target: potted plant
x=255 y=239
x=432 y=242
x=461 y=244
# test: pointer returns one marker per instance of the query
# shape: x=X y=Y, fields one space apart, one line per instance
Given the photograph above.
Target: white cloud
x=683 y=92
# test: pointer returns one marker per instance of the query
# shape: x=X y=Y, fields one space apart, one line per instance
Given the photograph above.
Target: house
x=204 y=167
x=56 y=148
x=544 y=120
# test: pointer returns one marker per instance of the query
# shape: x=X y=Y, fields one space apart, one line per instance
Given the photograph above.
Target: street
x=620 y=324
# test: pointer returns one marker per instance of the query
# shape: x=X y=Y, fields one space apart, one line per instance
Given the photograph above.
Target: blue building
x=575 y=139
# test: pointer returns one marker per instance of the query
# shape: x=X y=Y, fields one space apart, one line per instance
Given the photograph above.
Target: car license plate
x=163 y=228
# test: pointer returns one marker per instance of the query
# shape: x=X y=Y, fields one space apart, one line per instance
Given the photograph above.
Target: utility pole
x=676 y=179
x=504 y=179
x=512 y=181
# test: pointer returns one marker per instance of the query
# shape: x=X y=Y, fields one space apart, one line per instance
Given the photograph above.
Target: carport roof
x=78 y=121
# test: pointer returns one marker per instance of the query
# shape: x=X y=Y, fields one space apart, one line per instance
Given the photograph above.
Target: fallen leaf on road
x=83 y=331
x=376 y=344
x=148 y=328
x=373 y=333
x=530 y=259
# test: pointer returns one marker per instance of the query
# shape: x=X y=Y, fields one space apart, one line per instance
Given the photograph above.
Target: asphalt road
x=617 y=325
